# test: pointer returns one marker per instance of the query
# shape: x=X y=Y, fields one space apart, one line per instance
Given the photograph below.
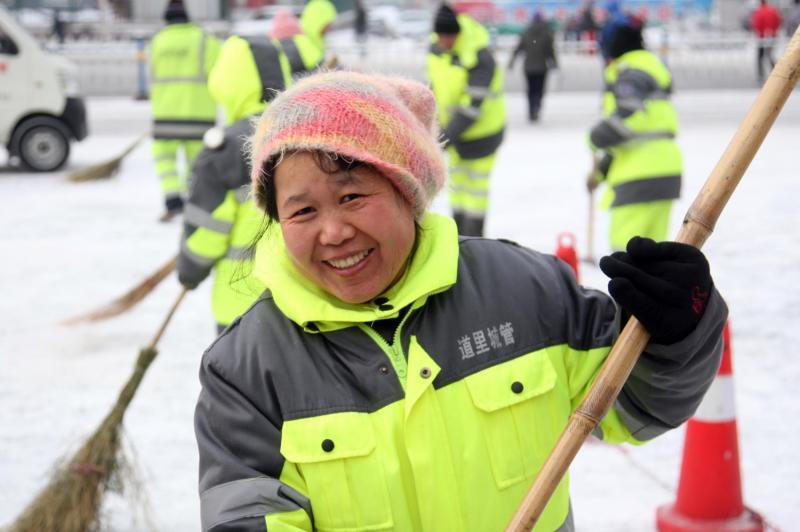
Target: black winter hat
x=446 y=21
x=625 y=37
x=175 y=12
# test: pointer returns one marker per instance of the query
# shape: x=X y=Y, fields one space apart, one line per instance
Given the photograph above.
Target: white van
x=40 y=107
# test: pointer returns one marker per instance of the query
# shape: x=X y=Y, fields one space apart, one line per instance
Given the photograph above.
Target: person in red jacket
x=766 y=22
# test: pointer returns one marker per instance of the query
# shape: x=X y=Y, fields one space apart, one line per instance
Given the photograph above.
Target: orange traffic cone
x=710 y=490
x=565 y=251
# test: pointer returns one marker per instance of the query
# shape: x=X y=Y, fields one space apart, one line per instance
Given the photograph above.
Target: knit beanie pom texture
x=386 y=122
x=446 y=21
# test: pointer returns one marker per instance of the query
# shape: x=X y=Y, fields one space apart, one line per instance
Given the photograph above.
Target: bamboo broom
x=127 y=300
x=697 y=227
x=106 y=169
x=71 y=500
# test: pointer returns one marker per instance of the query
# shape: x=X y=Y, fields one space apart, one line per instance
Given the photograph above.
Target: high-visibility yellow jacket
x=220 y=219
x=181 y=56
x=250 y=71
x=428 y=409
x=316 y=16
x=638 y=131
x=468 y=85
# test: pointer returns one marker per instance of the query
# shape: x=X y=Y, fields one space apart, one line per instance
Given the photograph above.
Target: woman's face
x=349 y=232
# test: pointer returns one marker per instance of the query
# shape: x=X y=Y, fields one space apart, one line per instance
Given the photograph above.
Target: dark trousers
x=764 y=52
x=536 y=85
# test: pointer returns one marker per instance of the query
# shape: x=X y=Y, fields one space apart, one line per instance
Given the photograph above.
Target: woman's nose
x=335 y=230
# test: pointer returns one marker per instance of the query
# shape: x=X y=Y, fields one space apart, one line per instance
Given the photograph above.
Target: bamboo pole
x=698 y=225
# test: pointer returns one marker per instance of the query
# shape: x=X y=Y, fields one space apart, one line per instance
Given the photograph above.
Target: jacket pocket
x=336 y=455
x=515 y=405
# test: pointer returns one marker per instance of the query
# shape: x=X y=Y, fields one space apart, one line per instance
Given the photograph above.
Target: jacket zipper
x=394 y=351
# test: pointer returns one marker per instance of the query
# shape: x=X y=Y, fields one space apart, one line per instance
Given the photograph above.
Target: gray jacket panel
x=668 y=383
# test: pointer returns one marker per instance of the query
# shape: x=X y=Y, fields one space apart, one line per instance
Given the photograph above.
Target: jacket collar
x=433 y=269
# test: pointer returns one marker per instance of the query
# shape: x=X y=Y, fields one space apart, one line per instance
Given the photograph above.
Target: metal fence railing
x=697 y=63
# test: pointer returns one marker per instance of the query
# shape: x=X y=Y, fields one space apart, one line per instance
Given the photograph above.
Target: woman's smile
x=350 y=265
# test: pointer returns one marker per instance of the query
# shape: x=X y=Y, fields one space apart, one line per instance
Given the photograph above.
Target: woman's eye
x=350 y=197
x=303 y=211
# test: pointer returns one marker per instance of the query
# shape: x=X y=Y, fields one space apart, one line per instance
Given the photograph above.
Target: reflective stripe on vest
x=650 y=189
x=239 y=253
x=180 y=129
x=194 y=215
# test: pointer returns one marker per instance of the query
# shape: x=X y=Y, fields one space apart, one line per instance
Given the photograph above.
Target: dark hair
x=626 y=36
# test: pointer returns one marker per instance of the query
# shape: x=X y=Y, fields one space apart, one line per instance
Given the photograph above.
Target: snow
x=69 y=247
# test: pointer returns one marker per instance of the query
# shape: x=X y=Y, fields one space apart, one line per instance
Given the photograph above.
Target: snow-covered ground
x=70 y=247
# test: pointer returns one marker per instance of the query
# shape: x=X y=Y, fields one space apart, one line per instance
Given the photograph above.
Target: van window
x=7 y=46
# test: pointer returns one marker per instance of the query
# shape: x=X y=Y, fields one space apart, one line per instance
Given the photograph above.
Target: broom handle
x=145 y=358
x=697 y=227
x=168 y=318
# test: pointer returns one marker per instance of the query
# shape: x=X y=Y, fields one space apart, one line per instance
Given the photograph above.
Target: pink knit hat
x=386 y=122
x=284 y=25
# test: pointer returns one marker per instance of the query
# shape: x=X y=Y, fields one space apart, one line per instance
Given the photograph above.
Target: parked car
x=41 y=110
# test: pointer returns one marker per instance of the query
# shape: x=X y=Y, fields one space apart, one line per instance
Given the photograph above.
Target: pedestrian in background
x=536 y=45
x=634 y=144
x=588 y=24
x=220 y=221
x=398 y=377
x=766 y=23
x=468 y=86
x=181 y=56
x=360 y=27
x=59 y=31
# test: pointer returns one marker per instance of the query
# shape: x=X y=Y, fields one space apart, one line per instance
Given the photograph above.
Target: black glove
x=665 y=285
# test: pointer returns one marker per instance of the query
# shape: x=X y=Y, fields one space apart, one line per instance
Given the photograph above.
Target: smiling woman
x=349 y=231
x=397 y=376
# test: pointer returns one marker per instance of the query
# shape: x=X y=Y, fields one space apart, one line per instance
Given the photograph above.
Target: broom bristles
x=71 y=500
x=107 y=169
x=128 y=300
x=98 y=171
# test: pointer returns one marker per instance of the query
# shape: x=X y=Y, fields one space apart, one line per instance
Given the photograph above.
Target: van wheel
x=43 y=148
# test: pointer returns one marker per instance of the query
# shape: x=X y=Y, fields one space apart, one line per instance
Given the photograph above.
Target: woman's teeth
x=348 y=261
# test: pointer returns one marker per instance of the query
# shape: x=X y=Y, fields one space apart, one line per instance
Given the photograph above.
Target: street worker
x=220 y=220
x=468 y=85
x=398 y=376
x=316 y=20
x=634 y=145
x=536 y=46
x=766 y=23
x=181 y=56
